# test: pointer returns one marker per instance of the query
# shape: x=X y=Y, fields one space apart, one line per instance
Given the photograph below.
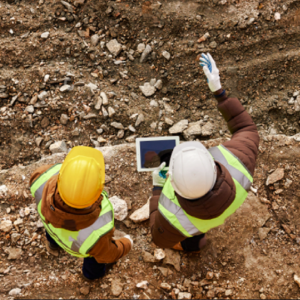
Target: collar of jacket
x=214 y=203
x=61 y=215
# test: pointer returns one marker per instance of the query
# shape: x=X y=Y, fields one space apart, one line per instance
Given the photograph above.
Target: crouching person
x=204 y=187
x=76 y=212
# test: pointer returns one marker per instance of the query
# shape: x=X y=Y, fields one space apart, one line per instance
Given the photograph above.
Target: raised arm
x=245 y=139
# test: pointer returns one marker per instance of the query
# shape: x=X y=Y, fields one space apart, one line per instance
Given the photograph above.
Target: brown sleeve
x=245 y=139
x=38 y=172
x=108 y=251
x=164 y=235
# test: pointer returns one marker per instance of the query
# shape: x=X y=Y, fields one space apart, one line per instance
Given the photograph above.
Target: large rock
x=179 y=127
x=116 y=287
x=59 y=147
x=114 y=47
x=6 y=225
x=120 y=208
x=192 y=130
x=142 y=214
x=172 y=258
x=147 y=89
x=277 y=175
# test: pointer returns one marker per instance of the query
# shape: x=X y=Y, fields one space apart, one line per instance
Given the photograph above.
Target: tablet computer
x=151 y=152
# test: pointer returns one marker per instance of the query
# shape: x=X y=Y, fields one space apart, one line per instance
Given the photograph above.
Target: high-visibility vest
x=77 y=243
x=190 y=226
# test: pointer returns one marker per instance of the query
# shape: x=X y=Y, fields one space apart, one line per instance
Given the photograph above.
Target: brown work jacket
x=243 y=144
x=106 y=250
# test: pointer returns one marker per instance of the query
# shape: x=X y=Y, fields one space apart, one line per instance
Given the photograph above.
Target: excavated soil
x=258 y=58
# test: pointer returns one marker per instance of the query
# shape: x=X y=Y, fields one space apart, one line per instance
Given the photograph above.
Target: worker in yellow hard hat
x=76 y=212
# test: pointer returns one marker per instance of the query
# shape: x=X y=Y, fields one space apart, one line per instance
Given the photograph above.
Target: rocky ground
x=101 y=73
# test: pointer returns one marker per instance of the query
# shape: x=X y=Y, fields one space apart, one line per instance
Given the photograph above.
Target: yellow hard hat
x=81 y=177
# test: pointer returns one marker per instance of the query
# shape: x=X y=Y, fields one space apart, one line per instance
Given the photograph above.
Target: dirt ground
x=255 y=254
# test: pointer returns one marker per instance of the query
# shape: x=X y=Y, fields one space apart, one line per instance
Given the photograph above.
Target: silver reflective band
x=179 y=213
x=235 y=173
x=39 y=192
x=86 y=232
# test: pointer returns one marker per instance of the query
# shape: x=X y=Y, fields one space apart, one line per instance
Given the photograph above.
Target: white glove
x=159 y=176
x=211 y=71
x=127 y=236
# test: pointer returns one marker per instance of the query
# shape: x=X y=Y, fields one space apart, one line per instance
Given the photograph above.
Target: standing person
x=204 y=187
x=76 y=212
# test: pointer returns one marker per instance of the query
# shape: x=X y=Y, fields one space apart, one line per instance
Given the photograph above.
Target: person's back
x=76 y=212
x=201 y=193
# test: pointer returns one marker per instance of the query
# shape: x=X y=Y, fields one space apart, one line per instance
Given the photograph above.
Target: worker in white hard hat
x=204 y=186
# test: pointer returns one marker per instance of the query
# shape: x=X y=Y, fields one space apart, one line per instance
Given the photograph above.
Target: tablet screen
x=153 y=153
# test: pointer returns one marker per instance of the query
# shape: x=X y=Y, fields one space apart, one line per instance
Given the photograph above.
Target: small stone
x=104 y=112
x=95 y=39
x=228 y=293
x=147 y=89
x=143 y=285
x=14 y=253
x=90 y=116
x=18 y=222
x=145 y=53
x=203 y=38
x=29 y=109
x=45 y=122
x=169 y=121
x=148 y=257
x=114 y=47
x=64 y=119
x=159 y=254
x=65 y=88
x=166 y=55
x=6 y=225
x=3 y=96
x=153 y=103
x=98 y=103
x=193 y=129
x=131 y=139
x=209 y=275
x=141 y=47
x=131 y=128
x=15 y=237
x=120 y=134
x=263 y=232
x=111 y=112
x=116 y=287
x=104 y=98
x=277 y=16
x=14 y=292
x=262 y=296
x=172 y=258
x=139 y=120
x=120 y=208
x=165 y=271
x=91 y=86
x=43 y=95
x=46 y=78
x=158 y=85
x=85 y=290
x=275 y=206
x=208 y=129
x=59 y=147
x=38 y=141
x=277 y=175
x=179 y=127
x=184 y=295
x=165 y=286
x=210 y=294
x=213 y=45
x=101 y=140
x=117 y=125
x=297 y=279
x=45 y=35
x=142 y=214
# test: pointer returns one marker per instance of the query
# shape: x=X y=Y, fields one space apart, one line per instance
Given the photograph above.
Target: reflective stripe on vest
x=76 y=243
x=188 y=225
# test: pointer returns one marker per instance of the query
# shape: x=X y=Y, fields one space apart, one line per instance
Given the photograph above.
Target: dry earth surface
x=101 y=73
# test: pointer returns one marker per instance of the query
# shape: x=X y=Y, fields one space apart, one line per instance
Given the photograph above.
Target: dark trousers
x=91 y=269
x=192 y=243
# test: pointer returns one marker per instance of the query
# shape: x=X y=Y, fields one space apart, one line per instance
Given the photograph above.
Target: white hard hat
x=192 y=170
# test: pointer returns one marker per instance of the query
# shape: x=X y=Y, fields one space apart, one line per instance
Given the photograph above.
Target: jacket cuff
x=157 y=188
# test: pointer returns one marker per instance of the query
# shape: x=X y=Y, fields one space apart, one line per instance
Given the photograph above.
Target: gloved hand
x=159 y=175
x=211 y=71
x=127 y=236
